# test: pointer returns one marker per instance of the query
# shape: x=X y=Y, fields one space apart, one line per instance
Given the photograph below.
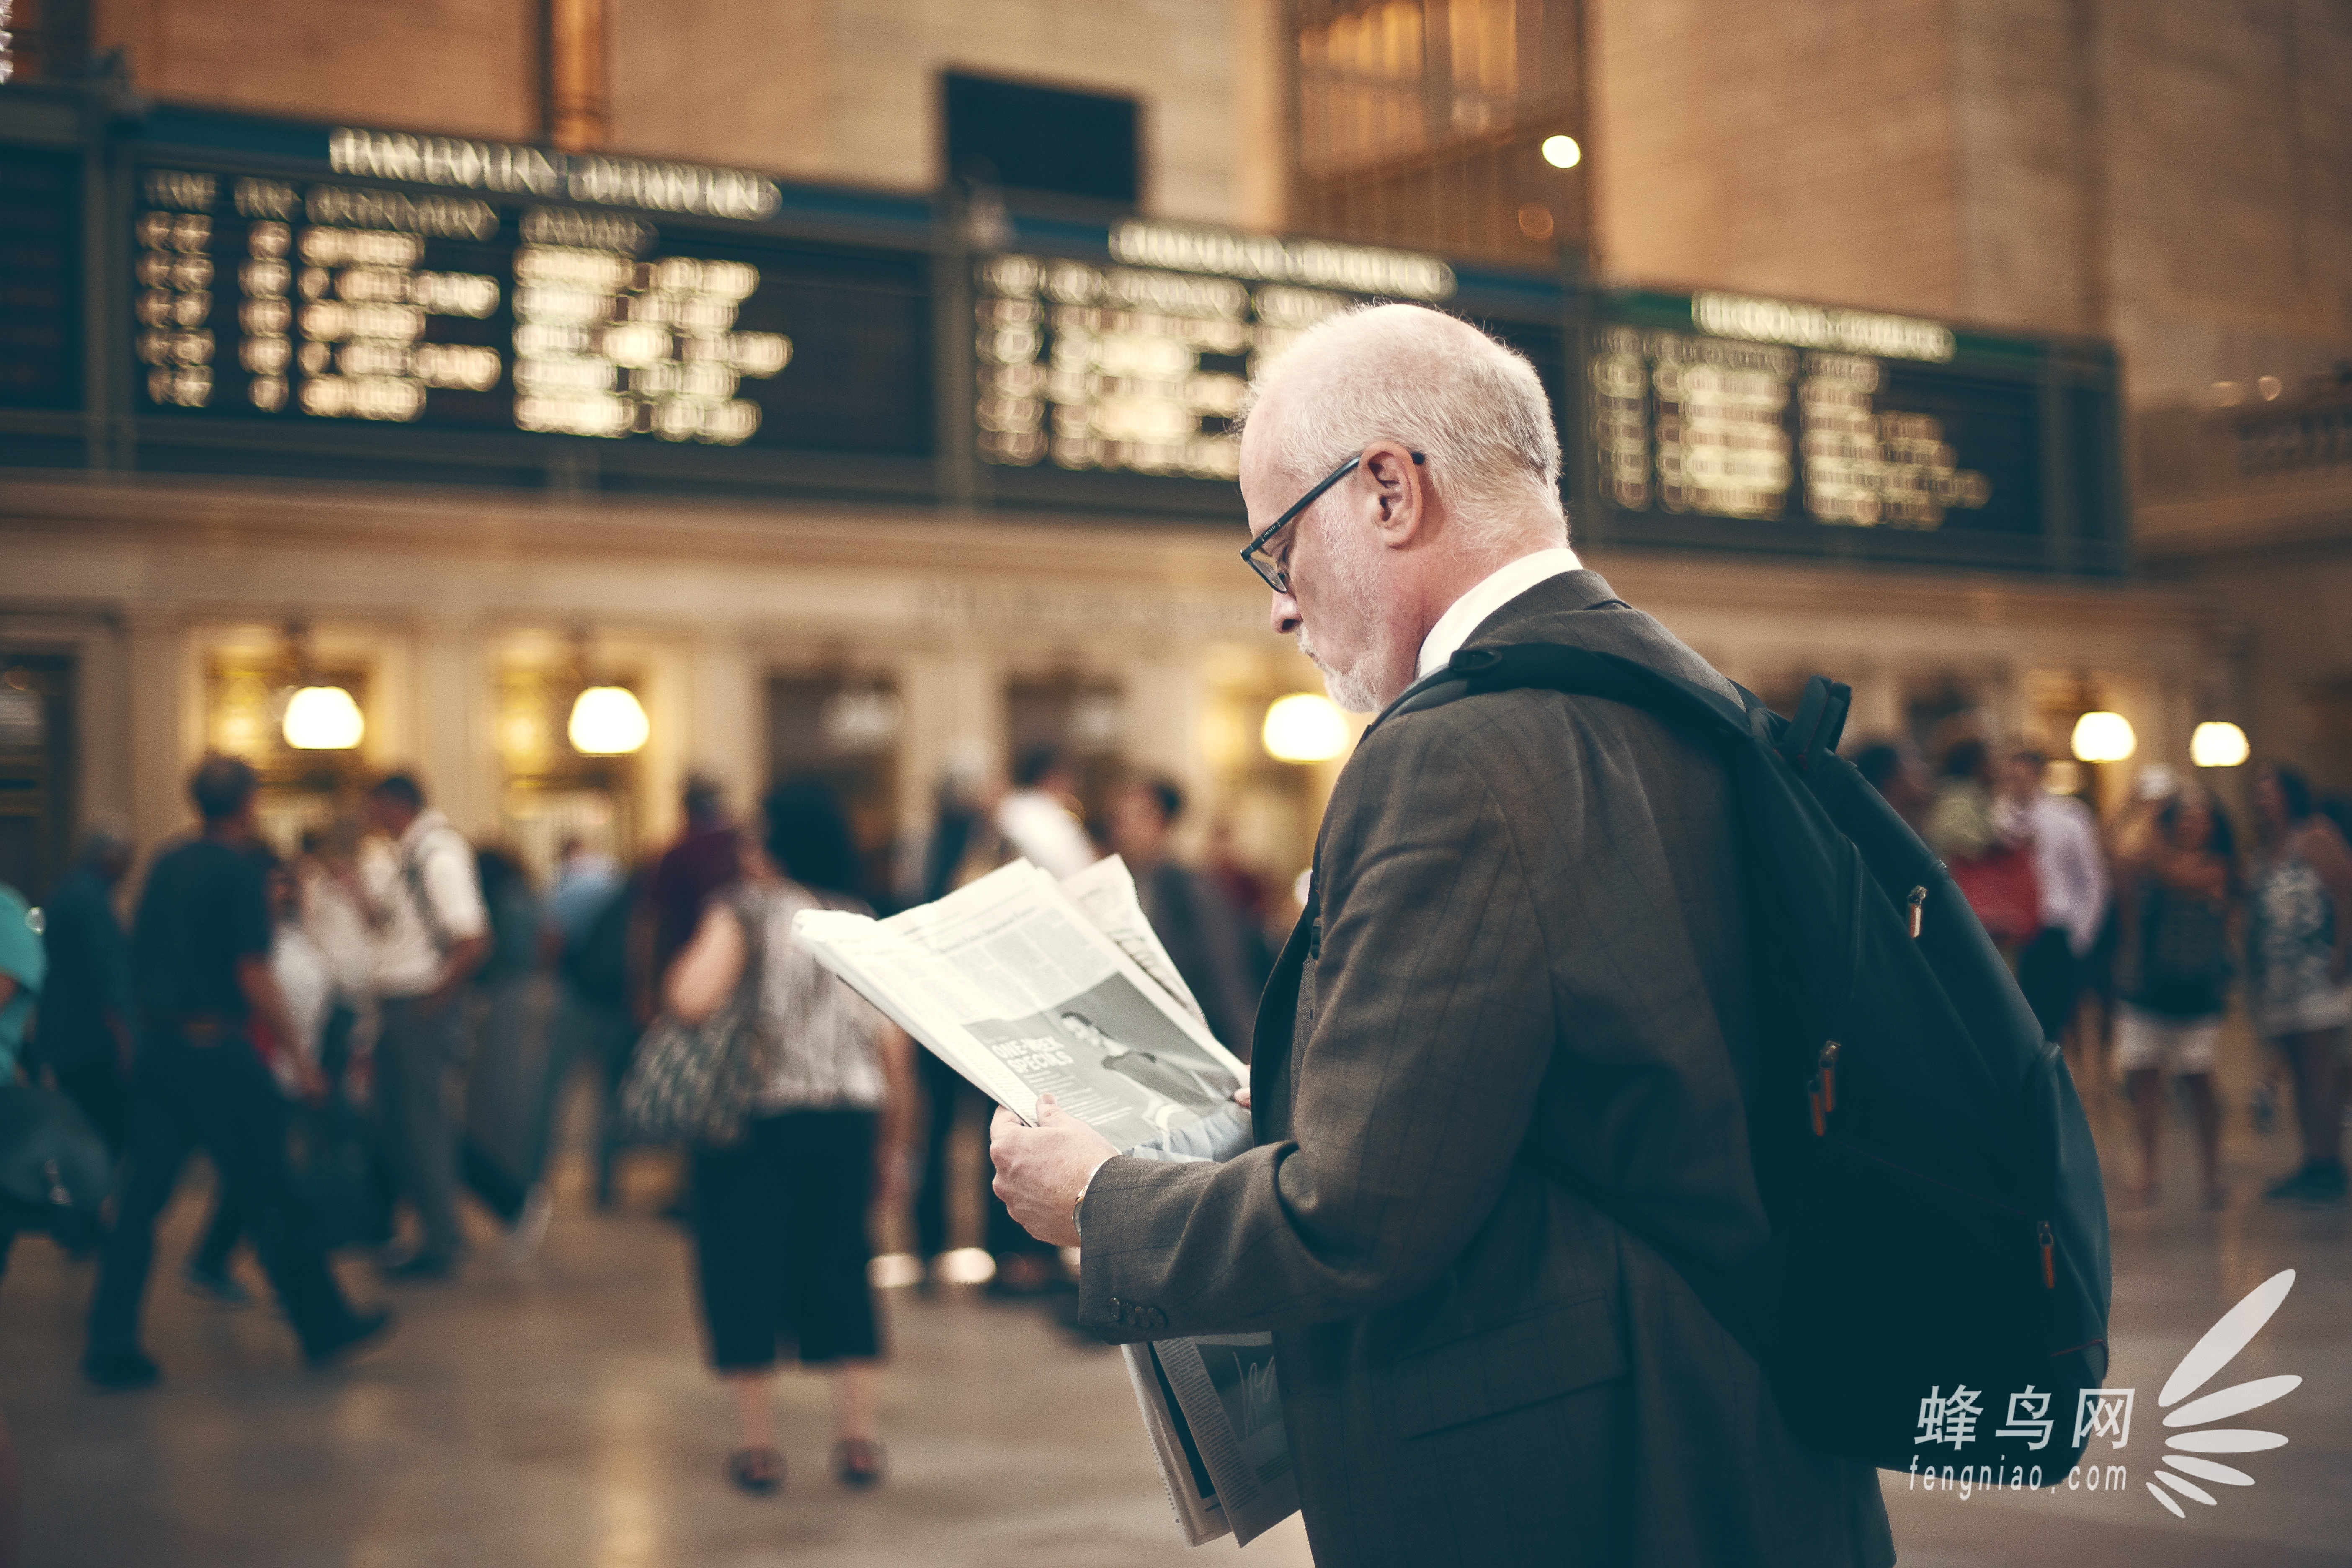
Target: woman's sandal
x=760 y=1471
x=860 y=1462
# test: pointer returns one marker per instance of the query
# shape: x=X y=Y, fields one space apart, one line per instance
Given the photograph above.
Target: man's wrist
x=1084 y=1187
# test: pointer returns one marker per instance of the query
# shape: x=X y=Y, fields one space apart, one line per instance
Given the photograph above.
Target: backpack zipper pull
x=1827 y=1078
x=1919 y=909
x=2049 y=1269
x=1813 y=1098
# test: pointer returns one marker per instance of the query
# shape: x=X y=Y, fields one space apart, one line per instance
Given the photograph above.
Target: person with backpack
x=2179 y=887
x=432 y=933
x=1498 y=1126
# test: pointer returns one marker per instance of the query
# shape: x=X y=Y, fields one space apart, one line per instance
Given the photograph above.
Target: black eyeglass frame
x=1253 y=553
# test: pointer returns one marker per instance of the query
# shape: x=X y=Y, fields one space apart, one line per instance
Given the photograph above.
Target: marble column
x=163 y=699
x=450 y=740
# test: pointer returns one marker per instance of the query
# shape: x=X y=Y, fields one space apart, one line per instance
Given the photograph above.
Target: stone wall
x=464 y=66
x=848 y=89
x=2173 y=173
x=1805 y=150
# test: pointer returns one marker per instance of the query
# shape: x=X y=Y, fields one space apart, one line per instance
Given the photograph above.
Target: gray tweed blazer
x=1528 y=981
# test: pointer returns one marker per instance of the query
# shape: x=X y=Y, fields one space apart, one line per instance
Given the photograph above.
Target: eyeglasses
x=1260 y=559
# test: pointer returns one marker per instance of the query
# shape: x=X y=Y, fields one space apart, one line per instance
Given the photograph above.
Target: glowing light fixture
x=323 y=718
x=1303 y=727
x=1562 y=152
x=2218 y=745
x=2104 y=737
x=607 y=721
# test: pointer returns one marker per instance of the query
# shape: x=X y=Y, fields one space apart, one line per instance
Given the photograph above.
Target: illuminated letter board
x=483 y=306
x=262 y=297
x=1718 y=419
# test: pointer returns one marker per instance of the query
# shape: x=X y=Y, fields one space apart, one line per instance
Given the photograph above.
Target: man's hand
x=1041 y=1170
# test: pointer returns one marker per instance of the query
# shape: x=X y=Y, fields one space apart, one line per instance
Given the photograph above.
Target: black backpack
x=1939 y=1231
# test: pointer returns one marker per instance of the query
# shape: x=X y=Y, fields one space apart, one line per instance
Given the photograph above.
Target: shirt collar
x=1502 y=585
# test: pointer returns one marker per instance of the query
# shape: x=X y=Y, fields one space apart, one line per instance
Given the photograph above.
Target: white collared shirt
x=408 y=947
x=1502 y=585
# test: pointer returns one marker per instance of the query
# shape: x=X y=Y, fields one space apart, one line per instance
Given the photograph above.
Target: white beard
x=1349 y=688
x=1356 y=687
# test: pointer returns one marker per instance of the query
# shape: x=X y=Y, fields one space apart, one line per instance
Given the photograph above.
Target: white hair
x=1436 y=383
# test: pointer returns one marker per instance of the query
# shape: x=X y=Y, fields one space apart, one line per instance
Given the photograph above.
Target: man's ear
x=1402 y=500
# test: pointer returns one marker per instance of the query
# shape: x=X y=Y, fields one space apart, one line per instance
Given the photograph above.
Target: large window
x=1440 y=124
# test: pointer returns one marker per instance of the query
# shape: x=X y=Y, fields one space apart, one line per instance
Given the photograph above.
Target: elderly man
x=1498 y=1069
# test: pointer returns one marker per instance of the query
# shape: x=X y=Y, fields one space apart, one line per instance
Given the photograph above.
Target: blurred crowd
x=2131 y=938
x=392 y=1023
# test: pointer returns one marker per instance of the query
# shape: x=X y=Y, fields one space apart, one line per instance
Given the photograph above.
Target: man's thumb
x=1048 y=1106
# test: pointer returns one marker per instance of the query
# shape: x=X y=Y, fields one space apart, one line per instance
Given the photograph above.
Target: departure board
x=306 y=302
x=40 y=279
x=1131 y=366
x=1774 y=413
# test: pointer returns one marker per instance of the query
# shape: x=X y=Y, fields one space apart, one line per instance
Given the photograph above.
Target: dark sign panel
x=296 y=302
x=1129 y=351
x=340 y=303
x=40 y=279
x=1721 y=419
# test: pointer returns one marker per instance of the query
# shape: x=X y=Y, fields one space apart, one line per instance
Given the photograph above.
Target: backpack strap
x=1819 y=723
x=1585 y=672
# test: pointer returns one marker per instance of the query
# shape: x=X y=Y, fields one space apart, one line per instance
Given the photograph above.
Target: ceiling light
x=323 y=718
x=608 y=721
x=2104 y=737
x=1562 y=152
x=1305 y=727
x=2218 y=744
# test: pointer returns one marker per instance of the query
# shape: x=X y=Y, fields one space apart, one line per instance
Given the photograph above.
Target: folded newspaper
x=1029 y=986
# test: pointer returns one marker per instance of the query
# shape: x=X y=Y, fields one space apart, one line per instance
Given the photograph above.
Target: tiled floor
x=558 y=1415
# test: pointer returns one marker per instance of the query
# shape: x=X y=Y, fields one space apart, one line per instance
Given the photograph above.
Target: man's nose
x=1284 y=615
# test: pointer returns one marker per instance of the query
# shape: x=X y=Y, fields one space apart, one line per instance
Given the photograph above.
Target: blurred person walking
x=2070 y=879
x=306 y=979
x=83 y=1037
x=1036 y=818
x=201 y=976
x=1203 y=932
x=958 y=817
x=432 y=932
x=1995 y=874
x=506 y=1064
x=594 y=1021
x=2179 y=891
x=706 y=857
x=24 y=966
x=781 y=1217
x=2299 y=939
x=583 y=879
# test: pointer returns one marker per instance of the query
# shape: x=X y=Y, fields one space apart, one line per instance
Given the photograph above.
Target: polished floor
x=557 y=1413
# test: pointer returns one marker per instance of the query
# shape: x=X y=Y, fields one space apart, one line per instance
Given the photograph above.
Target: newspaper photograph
x=1027 y=986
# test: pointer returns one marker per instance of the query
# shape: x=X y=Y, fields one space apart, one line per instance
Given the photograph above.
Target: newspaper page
x=1027 y=987
x=1012 y=984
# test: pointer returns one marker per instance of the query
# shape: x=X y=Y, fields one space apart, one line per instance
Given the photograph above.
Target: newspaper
x=1027 y=986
